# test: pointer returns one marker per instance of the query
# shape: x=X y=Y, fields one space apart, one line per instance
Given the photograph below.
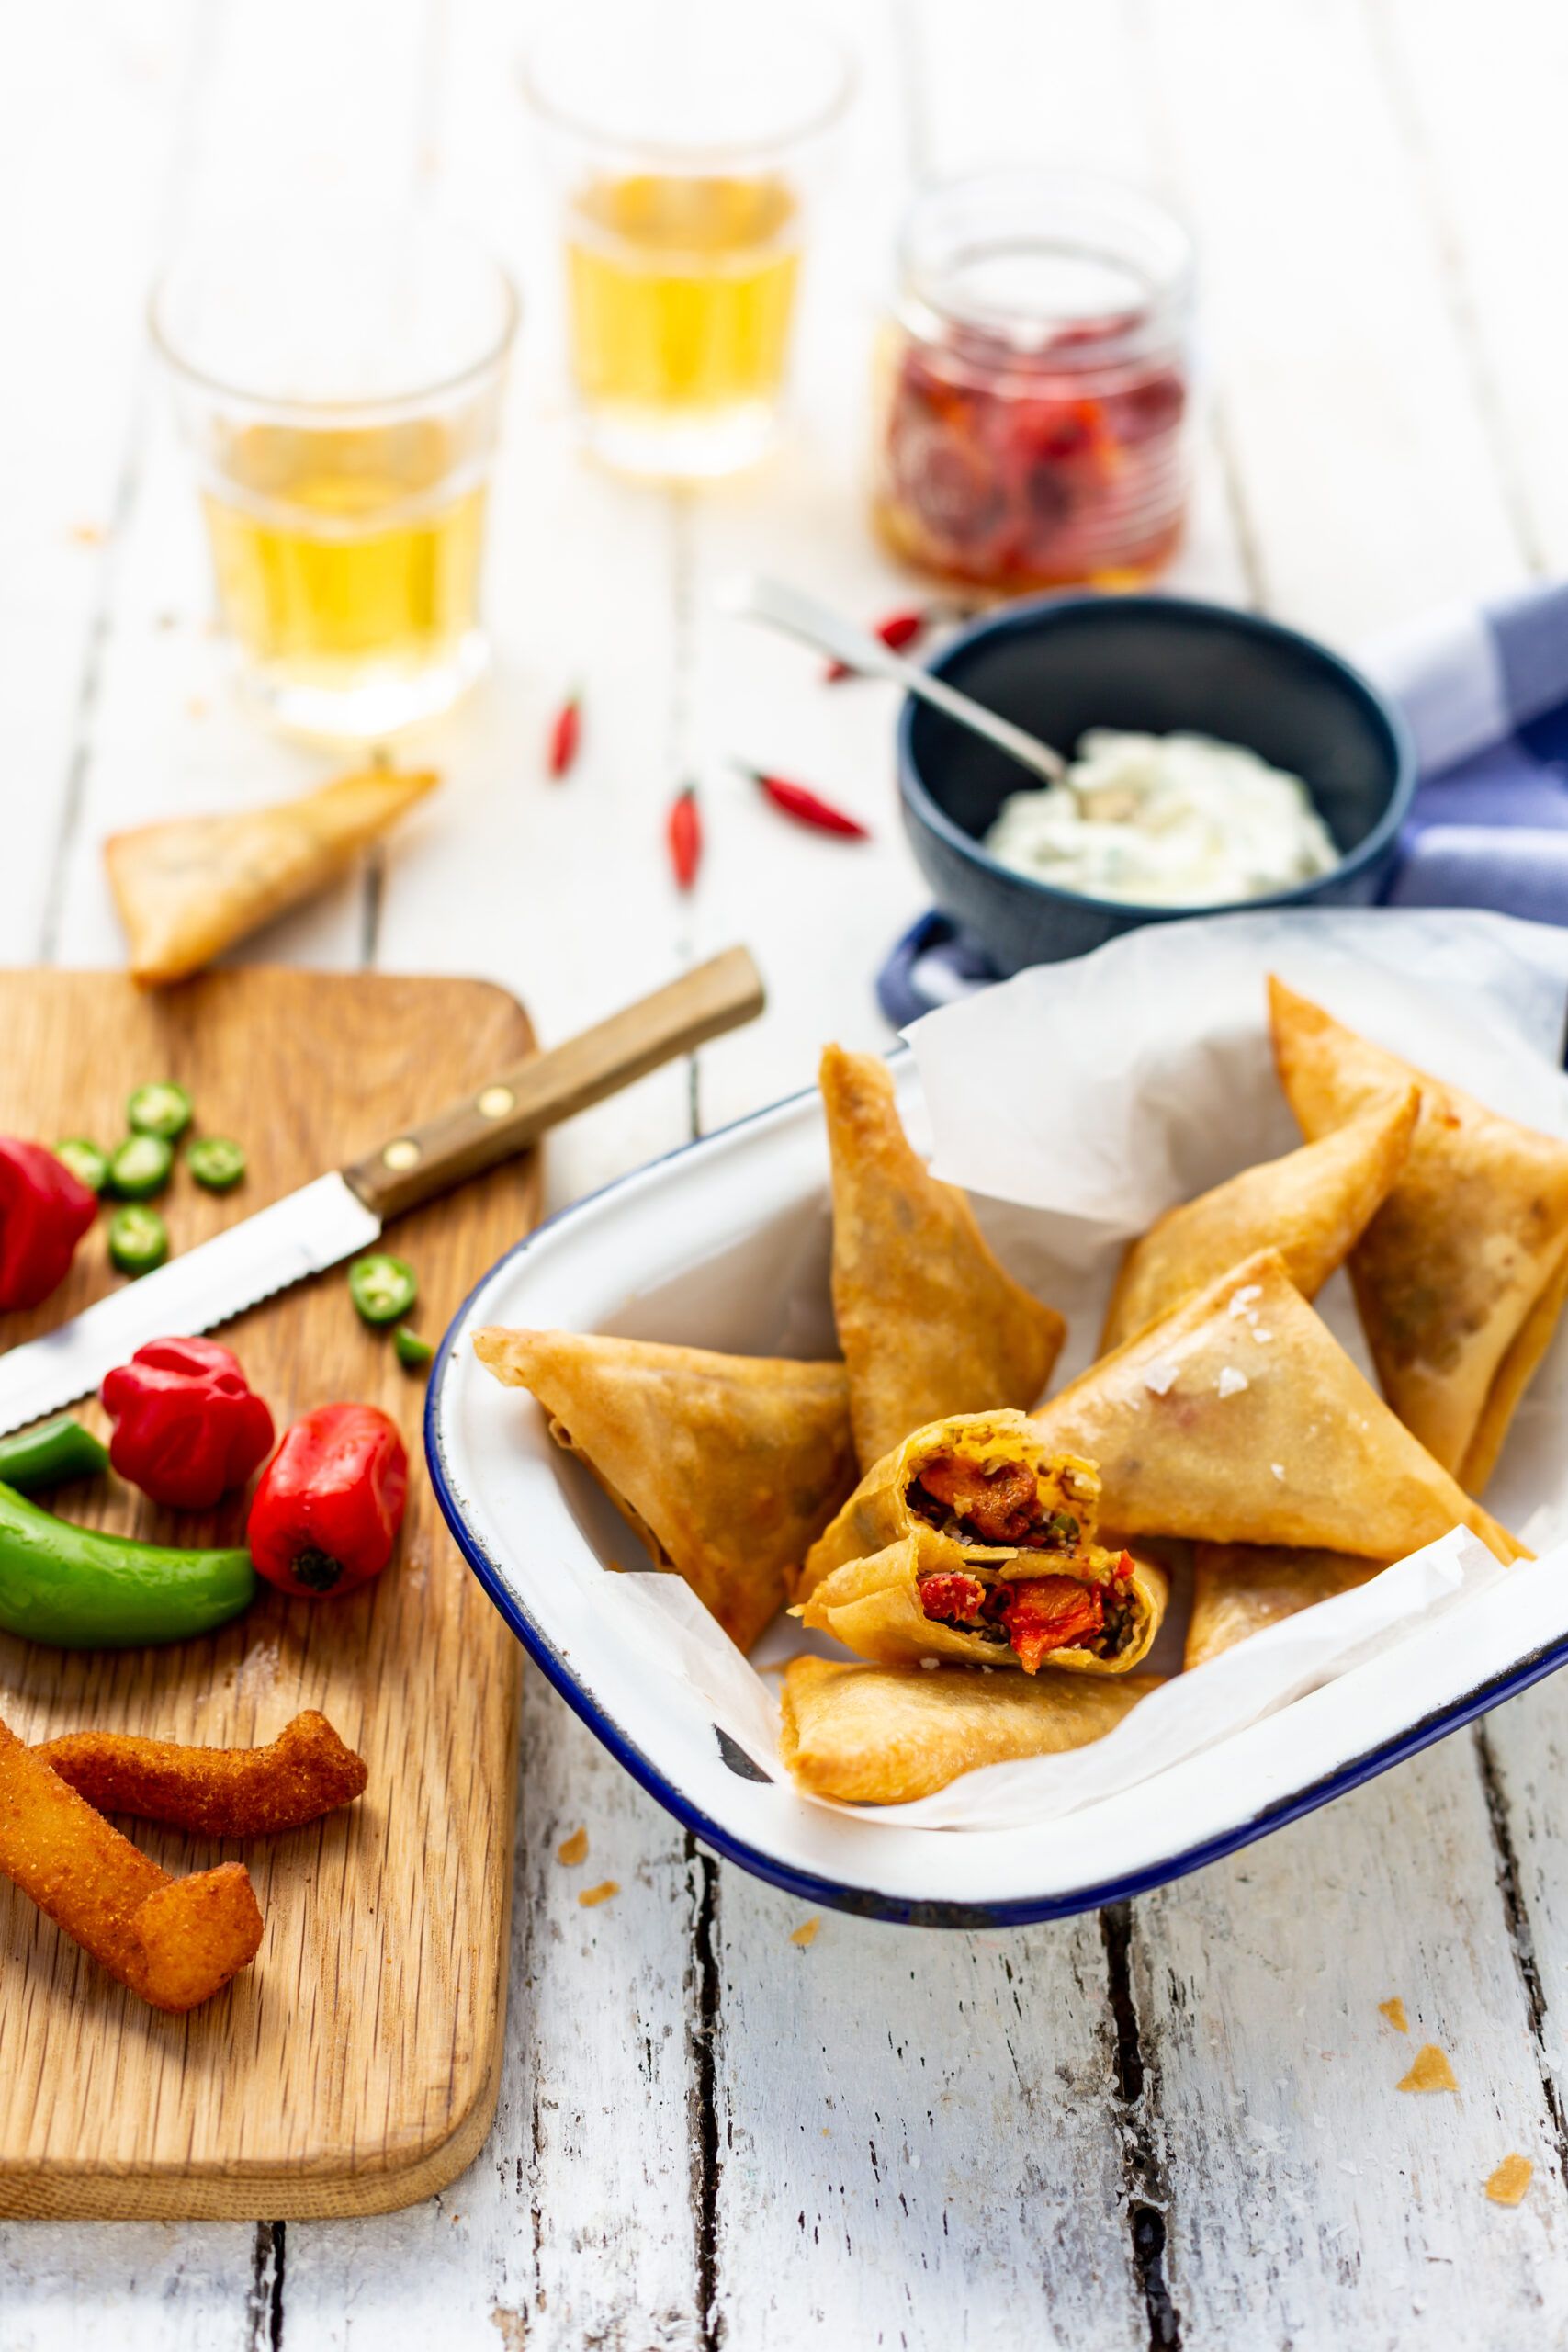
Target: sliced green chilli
x=162 y=1109
x=86 y=1162
x=139 y=1239
x=413 y=1353
x=383 y=1288
x=140 y=1167
x=217 y=1162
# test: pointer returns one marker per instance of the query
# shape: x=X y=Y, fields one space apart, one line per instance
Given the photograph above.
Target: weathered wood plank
x=81 y=87
x=1314 y=2201
x=1365 y=474
x=575 y=2226
x=940 y=2160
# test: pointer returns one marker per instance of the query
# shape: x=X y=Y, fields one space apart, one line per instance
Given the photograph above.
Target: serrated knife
x=338 y=1214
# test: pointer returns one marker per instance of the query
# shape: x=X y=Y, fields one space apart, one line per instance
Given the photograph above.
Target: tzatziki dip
x=1164 y=821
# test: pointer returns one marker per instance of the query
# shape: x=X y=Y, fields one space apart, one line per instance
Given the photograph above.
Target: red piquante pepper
x=684 y=832
x=44 y=1212
x=808 y=807
x=327 y=1512
x=897 y=631
x=188 y=1427
x=566 y=735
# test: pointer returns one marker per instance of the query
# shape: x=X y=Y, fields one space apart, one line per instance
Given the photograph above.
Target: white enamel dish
x=725 y=1244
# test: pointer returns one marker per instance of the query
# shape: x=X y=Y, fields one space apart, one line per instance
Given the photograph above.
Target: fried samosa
x=928 y=1322
x=972 y=1541
x=1461 y=1276
x=1313 y=1206
x=728 y=1467
x=884 y=1734
x=1239 y=1418
x=1239 y=1588
x=190 y=888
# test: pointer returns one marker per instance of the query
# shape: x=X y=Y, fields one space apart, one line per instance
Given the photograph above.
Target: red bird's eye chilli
x=566 y=735
x=808 y=807
x=897 y=631
x=685 y=834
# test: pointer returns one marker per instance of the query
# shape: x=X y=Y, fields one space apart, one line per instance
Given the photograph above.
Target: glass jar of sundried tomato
x=1034 y=383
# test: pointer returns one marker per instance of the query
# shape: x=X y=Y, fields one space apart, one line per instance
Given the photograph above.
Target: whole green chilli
x=76 y=1589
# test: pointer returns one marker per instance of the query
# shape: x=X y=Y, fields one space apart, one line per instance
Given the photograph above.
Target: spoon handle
x=773 y=602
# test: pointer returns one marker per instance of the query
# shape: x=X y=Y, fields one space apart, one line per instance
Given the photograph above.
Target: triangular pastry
x=1239 y=1418
x=1460 y=1277
x=1313 y=1206
x=728 y=1467
x=189 y=887
x=1239 y=1588
x=928 y=1322
x=971 y=1540
x=883 y=1734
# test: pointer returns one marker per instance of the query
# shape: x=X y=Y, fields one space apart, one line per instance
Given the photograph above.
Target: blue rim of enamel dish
x=1024 y=618
x=835 y=1893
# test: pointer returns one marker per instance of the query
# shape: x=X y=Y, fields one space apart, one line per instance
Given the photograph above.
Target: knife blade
x=336 y=1216
x=302 y=1234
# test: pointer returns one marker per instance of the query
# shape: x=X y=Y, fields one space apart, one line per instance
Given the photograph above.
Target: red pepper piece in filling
x=955 y=1600
x=326 y=1515
x=187 y=1425
x=998 y=1499
x=44 y=1212
x=1052 y=1614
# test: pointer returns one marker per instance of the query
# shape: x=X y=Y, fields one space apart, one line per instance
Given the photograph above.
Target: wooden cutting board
x=355 y=2066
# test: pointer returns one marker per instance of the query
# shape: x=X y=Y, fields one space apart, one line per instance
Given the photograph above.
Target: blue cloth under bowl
x=1483 y=692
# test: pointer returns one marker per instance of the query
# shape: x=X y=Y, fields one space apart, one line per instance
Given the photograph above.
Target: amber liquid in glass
x=681 y=295
x=348 y=558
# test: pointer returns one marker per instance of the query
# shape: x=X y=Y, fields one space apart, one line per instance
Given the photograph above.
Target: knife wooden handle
x=514 y=1110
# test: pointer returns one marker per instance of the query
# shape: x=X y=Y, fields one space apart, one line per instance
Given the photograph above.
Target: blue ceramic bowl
x=1061 y=665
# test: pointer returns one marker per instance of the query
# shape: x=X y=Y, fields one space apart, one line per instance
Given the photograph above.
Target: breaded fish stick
x=174 y=1941
x=214 y=1792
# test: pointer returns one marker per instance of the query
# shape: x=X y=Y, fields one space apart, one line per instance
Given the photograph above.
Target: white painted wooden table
x=1174 y=2122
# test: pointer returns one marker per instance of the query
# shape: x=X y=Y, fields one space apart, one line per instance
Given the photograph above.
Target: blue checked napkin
x=1485 y=692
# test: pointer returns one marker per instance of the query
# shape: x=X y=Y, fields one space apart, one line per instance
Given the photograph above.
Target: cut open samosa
x=1239 y=1588
x=1313 y=1206
x=189 y=887
x=972 y=1541
x=885 y=1735
x=1460 y=1277
x=928 y=1322
x=728 y=1467
x=1239 y=1418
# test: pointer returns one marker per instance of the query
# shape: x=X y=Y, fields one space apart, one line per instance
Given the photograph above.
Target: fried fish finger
x=174 y=1941
x=214 y=1792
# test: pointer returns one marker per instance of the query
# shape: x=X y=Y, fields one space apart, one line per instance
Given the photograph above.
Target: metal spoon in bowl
x=754 y=597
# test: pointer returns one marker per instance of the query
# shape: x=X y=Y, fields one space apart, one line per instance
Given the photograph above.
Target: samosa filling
x=991 y=1502
x=1033 y=1615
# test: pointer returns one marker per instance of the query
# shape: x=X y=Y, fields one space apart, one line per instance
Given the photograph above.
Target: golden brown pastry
x=1313 y=1206
x=928 y=1322
x=883 y=1734
x=1239 y=1418
x=972 y=1541
x=190 y=888
x=1238 y=1589
x=1461 y=1276
x=726 y=1467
